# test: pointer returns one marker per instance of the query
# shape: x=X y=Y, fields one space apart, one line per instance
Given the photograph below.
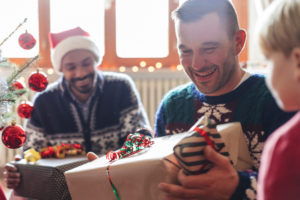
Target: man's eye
x=70 y=68
x=186 y=52
x=209 y=50
x=87 y=64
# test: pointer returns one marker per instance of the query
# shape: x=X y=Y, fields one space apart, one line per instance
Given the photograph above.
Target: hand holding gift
x=217 y=184
x=208 y=170
x=190 y=151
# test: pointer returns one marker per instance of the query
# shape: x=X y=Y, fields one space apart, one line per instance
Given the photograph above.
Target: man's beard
x=85 y=89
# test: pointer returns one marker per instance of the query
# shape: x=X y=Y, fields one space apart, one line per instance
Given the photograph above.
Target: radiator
x=151 y=85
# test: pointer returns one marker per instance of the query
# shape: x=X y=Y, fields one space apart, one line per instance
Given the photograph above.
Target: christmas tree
x=13 y=136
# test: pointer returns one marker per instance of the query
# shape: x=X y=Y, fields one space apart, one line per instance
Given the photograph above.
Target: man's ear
x=296 y=55
x=239 y=40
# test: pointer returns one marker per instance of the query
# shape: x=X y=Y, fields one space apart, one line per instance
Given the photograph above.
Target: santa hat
x=66 y=41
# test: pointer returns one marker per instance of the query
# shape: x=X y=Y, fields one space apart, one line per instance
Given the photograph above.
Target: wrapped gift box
x=234 y=139
x=44 y=180
x=137 y=177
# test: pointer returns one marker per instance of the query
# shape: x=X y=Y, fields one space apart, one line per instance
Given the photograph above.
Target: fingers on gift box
x=228 y=139
x=190 y=151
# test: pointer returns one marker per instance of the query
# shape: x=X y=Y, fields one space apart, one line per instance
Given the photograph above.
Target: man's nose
x=198 y=62
x=81 y=72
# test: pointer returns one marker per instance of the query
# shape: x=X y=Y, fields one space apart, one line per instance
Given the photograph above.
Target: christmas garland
x=57 y=151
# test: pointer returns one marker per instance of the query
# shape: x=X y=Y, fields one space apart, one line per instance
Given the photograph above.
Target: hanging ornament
x=27 y=41
x=38 y=81
x=13 y=136
x=18 y=85
x=25 y=110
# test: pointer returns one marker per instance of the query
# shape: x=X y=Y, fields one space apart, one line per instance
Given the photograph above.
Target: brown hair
x=192 y=10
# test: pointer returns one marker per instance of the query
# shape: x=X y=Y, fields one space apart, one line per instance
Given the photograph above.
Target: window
x=142 y=28
x=68 y=14
x=123 y=26
x=13 y=13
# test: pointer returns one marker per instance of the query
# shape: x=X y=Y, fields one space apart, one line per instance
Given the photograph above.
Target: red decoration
x=13 y=136
x=38 y=81
x=134 y=143
x=25 y=110
x=61 y=151
x=1 y=128
x=18 y=85
x=27 y=41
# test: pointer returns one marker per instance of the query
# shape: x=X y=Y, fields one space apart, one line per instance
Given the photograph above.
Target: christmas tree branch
x=7 y=100
x=13 y=32
x=18 y=72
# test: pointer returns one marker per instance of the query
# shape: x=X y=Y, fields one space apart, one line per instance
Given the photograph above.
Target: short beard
x=84 y=90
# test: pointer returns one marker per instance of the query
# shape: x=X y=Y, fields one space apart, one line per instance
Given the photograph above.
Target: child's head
x=279 y=39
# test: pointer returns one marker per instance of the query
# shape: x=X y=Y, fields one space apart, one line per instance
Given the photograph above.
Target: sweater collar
x=243 y=86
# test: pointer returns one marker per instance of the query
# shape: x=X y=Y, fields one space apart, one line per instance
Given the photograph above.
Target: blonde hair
x=279 y=29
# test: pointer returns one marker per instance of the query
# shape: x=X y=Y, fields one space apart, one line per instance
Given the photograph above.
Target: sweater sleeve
x=160 y=123
x=133 y=115
x=35 y=132
x=246 y=189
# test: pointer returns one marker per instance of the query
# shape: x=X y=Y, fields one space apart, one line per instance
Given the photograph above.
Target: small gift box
x=44 y=180
x=137 y=176
x=227 y=139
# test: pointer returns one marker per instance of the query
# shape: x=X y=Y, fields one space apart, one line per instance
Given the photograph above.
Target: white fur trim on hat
x=70 y=44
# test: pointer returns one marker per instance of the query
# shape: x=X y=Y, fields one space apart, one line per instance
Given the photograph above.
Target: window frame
x=110 y=60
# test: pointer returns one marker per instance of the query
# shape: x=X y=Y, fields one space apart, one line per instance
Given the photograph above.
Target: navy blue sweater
x=114 y=112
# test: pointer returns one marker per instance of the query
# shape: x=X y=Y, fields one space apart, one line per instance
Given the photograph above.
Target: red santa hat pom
x=66 y=41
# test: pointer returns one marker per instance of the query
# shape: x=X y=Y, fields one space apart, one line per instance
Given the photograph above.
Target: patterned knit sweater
x=115 y=111
x=250 y=103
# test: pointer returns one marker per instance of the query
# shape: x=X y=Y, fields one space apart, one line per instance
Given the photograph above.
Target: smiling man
x=209 y=42
x=85 y=106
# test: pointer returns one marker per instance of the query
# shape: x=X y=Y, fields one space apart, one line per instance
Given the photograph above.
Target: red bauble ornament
x=13 y=136
x=27 y=41
x=38 y=81
x=25 y=110
x=18 y=85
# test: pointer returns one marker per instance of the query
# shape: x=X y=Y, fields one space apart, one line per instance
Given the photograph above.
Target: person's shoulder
x=257 y=79
x=51 y=90
x=180 y=92
x=116 y=76
x=291 y=128
x=286 y=138
x=256 y=85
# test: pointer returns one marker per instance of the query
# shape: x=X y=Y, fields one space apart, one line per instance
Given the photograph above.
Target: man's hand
x=12 y=177
x=91 y=156
x=219 y=183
